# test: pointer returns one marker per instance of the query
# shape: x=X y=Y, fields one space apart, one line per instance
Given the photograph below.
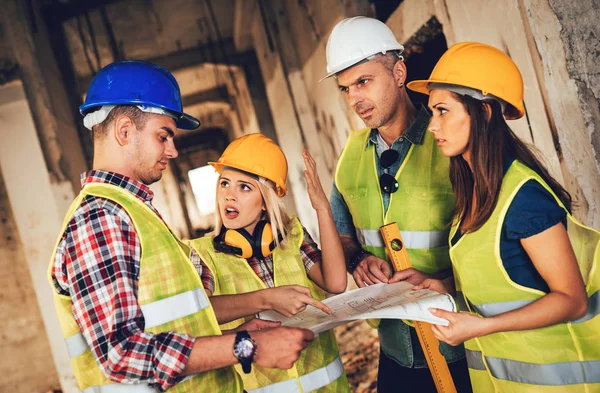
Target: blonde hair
x=280 y=222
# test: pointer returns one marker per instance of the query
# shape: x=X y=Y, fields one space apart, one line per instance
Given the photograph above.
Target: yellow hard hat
x=258 y=155
x=481 y=67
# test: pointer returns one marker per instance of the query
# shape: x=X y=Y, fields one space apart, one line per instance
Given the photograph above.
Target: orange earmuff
x=239 y=242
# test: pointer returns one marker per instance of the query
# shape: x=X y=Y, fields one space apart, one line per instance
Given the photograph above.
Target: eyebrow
x=439 y=103
x=169 y=131
x=238 y=181
x=358 y=79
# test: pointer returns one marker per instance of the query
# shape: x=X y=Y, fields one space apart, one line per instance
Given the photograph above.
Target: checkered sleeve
x=208 y=280
x=101 y=269
x=309 y=251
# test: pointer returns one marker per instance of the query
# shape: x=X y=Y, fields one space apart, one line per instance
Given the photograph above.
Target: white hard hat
x=355 y=39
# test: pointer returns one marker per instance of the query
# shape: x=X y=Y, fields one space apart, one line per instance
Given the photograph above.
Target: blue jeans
x=394 y=378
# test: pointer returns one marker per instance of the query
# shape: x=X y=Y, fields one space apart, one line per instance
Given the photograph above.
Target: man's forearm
x=210 y=353
x=350 y=247
x=353 y=252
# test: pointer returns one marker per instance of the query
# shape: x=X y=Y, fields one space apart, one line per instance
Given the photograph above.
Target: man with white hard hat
x=390 y=171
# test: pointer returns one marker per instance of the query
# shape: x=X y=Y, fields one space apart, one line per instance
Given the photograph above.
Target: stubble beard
x=148 y=177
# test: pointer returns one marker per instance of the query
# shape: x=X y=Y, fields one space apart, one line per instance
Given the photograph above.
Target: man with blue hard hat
x=129 y=299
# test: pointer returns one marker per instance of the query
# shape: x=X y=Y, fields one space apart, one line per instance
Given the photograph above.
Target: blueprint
x=387 y=301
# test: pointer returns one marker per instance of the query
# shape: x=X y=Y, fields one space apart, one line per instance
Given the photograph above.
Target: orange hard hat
x=258 y=155
x=480 y=67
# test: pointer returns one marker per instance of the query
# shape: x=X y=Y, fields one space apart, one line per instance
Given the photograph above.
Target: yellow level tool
x=431 y=346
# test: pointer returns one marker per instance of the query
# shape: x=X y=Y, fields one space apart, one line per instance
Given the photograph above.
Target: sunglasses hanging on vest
x=241 y=243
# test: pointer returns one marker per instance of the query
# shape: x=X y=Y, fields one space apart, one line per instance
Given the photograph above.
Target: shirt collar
x=135 y=187
x=507 y=160
x=414 y=134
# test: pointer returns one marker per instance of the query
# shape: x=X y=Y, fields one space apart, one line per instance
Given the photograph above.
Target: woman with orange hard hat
x=259 y=259
x=525 y=270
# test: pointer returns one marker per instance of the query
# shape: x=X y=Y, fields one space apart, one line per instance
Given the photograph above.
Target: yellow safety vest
x=422 y=208
x=422 y=205
x=559 y=358
x=170 y=295
x=319 y=367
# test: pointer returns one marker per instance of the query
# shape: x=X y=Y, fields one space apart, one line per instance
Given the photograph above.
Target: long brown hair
x=489 y=143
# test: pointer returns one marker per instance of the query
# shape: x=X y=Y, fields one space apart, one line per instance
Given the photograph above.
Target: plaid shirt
x=309 y=251
x=98 y=264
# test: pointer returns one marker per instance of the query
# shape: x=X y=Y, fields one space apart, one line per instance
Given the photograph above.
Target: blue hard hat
x=134 y=82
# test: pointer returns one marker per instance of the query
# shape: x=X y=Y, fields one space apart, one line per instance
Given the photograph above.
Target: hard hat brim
x=219 y=168
x=422 y=86
x=185 y=121
x=340 y=69
x=354 y=62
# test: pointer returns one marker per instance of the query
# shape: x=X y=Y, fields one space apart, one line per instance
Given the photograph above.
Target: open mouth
x=231 y=213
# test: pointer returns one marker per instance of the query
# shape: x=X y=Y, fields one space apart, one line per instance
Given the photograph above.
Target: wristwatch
x=244 y=349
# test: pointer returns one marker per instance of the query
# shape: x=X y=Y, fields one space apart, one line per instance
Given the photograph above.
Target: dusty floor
x=359 y=347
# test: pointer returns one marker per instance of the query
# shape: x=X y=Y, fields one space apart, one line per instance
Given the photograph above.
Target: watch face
x=244 y=348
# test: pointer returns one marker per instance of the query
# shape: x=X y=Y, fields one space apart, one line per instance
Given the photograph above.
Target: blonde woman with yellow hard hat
x=525 y=268
x=259 y=258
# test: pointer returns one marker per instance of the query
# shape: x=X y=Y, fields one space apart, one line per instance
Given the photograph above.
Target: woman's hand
x=463 y=326
x=289 y=300
x=317 y=196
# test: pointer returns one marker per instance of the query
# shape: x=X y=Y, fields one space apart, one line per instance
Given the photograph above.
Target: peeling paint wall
x=567 y=41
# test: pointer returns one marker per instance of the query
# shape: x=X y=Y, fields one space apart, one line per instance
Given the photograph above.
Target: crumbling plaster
x=561 y=91
x=567 y=38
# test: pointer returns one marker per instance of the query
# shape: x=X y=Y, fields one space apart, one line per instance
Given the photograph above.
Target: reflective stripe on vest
x=491 y=309
x=312 y=381
x=412 y=239
x=564 y=356
x=156 y=313
x=422 y=205
x=564 y=373
x=124 y=388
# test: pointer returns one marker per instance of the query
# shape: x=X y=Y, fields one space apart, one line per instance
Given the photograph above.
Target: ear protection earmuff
x=239 y=242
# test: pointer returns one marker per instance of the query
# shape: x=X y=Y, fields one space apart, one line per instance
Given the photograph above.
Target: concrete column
x=38 y=205
x=286 y=117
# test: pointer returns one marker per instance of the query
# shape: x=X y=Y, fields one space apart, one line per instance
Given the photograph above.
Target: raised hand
x=289 y=300
x=280 y=347
x=317 y=196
